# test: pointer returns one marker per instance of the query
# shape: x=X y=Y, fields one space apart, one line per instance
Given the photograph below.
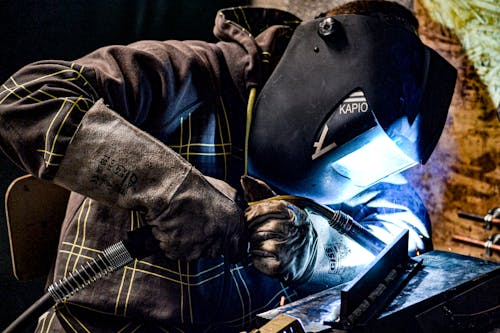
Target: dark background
x=67 y=29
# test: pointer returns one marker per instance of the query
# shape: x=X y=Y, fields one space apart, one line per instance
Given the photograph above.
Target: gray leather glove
x=283 y=242
x=201 y=220
x=115 y=163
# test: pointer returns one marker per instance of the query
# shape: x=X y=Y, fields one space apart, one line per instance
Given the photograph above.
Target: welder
x=160 y=133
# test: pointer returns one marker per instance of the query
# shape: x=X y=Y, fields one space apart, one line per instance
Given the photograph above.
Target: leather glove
x=202 y=220
x=283 y=242
x=115 y=163
x=302 y=249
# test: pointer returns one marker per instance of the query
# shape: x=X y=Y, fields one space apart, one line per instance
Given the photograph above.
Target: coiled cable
x=139 y=244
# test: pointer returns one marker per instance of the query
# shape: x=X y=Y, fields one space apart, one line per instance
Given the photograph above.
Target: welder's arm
x=55 y=124
x=112 y=161
x=150 y=84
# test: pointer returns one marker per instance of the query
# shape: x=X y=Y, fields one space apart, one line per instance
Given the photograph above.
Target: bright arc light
x=377 y=159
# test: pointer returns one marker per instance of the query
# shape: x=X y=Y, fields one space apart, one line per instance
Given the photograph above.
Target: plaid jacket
x=192 y=96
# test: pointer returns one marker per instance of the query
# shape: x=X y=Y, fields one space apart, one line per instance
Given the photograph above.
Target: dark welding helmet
x=355 y=98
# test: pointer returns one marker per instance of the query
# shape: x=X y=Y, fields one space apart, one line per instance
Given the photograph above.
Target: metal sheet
x=443 y=275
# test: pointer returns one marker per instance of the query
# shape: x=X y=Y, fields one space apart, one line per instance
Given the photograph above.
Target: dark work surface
x=443 y=276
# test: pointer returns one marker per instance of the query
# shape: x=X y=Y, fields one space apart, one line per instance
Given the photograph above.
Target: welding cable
x=250 y=105
x=139 y=243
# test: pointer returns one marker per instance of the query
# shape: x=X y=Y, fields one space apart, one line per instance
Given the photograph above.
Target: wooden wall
x=463 y=173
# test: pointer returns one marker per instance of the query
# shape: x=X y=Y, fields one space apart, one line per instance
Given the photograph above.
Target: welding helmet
x=354 y=99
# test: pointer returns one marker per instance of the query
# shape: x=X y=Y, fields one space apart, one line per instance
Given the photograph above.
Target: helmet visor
x=372 y=161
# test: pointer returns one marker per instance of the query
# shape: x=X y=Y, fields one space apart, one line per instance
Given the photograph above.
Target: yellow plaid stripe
x=30 y=91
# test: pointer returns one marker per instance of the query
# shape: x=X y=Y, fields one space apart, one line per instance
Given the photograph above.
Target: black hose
x=31 y=314
x=138 y=244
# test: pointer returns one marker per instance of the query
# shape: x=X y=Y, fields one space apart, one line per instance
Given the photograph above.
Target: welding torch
x=339 y=221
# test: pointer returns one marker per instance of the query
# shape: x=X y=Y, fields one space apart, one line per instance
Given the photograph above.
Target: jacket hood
x=263 y=33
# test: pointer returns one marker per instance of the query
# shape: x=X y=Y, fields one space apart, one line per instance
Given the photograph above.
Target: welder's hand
x=202 y=220
x=282 y=240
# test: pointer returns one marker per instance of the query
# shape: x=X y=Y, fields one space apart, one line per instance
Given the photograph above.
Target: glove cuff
x=110 y=160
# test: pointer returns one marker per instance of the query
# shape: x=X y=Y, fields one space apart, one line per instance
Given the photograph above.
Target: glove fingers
x=271 y=258
x=273 y=248
x=273 y=208
x=268 y=265
x=282 y=239
x=277 y=225
x=262 y=236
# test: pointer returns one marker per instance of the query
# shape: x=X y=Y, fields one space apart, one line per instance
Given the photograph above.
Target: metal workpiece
x=449 y=293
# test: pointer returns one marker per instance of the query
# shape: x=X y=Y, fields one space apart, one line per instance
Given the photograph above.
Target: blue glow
x=374 y=160
x=349 y=253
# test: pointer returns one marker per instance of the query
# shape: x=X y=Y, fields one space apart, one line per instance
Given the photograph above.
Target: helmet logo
x=356 y=102
x=320 y=150
x=348 y=120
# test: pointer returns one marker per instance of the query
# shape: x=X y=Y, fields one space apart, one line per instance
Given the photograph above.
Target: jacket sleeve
x=148 y=83
x=389 y=207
